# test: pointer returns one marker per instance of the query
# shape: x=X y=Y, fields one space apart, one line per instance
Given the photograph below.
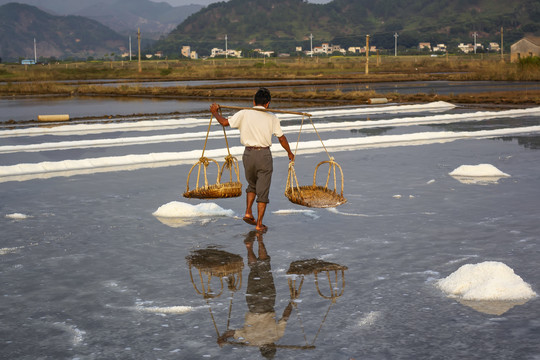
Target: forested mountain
x=124 y=16
x=283 y=24
x=57 y=36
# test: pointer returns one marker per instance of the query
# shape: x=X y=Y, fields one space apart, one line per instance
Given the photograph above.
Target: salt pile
x=308 y=213
x=168 y=310
x=490 y=280
x=178 y=214
x=17 y=216
x=490 y=287
x=185 y=210
x=481 y=174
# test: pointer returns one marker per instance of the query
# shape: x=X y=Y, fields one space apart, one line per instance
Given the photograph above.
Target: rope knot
x=203 y=160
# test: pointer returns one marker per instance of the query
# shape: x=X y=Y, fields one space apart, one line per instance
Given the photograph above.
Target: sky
x=207 y=2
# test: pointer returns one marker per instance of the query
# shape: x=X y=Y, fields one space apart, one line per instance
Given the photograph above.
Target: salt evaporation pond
x=103 y=258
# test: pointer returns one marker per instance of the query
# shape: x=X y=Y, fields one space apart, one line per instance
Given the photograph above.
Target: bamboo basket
x=315 y=195
x=217 y=190
x=233 y=188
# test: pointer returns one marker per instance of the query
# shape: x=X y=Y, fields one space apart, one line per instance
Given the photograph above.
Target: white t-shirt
x=256 y=127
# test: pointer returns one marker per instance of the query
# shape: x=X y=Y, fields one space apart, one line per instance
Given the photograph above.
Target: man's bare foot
x=262 y=229
x=250 y=220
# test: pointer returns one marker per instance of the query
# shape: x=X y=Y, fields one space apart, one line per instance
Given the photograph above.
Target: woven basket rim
x=228 y=189
x=297 y=198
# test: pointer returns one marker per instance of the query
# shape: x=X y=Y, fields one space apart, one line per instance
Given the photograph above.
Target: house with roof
x=493 y=46
x=424 y=45
x=527 y=47
x=440 y=47
x=466 y=48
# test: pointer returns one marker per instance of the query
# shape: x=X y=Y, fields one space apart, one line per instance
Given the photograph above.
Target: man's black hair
x=262 y=96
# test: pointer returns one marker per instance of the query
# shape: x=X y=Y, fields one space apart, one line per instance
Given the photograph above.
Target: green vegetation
x=381 y=68
x=332 y=72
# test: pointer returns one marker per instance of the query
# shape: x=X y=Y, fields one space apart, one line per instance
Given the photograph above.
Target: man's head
x=262 y=97
x=268 y=351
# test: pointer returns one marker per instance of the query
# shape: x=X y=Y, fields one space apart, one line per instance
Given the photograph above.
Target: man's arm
x=285 y=144
x=214 y=110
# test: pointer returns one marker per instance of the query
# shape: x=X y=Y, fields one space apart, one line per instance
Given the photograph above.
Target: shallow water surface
x=90 y=273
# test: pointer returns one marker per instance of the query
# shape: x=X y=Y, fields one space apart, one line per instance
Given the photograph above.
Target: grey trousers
x=258 y=167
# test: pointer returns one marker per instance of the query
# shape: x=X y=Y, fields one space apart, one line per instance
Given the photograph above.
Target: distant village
x=325 y=49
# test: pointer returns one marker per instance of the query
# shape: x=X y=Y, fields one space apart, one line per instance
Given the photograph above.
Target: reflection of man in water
x=261 y=328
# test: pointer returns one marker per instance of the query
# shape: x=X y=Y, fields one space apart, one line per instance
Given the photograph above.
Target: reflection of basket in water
x=315 y=195
x=215 y=263
x=315 y=266
x=298 y=270
x=310 y=266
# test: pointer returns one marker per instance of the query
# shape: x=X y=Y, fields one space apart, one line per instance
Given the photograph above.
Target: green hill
x=283 y=24
x=58 y=36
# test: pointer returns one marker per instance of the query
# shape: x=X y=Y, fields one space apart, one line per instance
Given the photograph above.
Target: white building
x=424 y=45
x=186 y=51
x=466 y=48
x=221 y=52
x=440 y=47
x=493 y=46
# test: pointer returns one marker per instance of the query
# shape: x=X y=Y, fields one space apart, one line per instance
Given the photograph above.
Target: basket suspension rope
x=228 y=159
x=291 y=177
x=219 y=189
x=204 y=161
x=303 y=195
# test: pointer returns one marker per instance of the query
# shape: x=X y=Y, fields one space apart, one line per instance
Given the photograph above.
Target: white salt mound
x=17 y=216
x=481 y=170
x=309 y=213
x=177 y=209
x=490 y=280
x=168 y=310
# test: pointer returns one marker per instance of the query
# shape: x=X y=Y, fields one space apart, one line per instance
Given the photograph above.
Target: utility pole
x=475 y=34
x=139 y=42
x=367 y=54
x=395 y=44
x=502 y=46
x=226 y=49
x=311 y=42
x=35 y=51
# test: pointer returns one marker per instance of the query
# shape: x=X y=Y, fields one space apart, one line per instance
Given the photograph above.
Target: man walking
x=256 y=130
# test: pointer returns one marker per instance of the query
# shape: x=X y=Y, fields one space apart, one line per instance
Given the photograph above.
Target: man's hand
x=214 y=108
x=291 y=156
